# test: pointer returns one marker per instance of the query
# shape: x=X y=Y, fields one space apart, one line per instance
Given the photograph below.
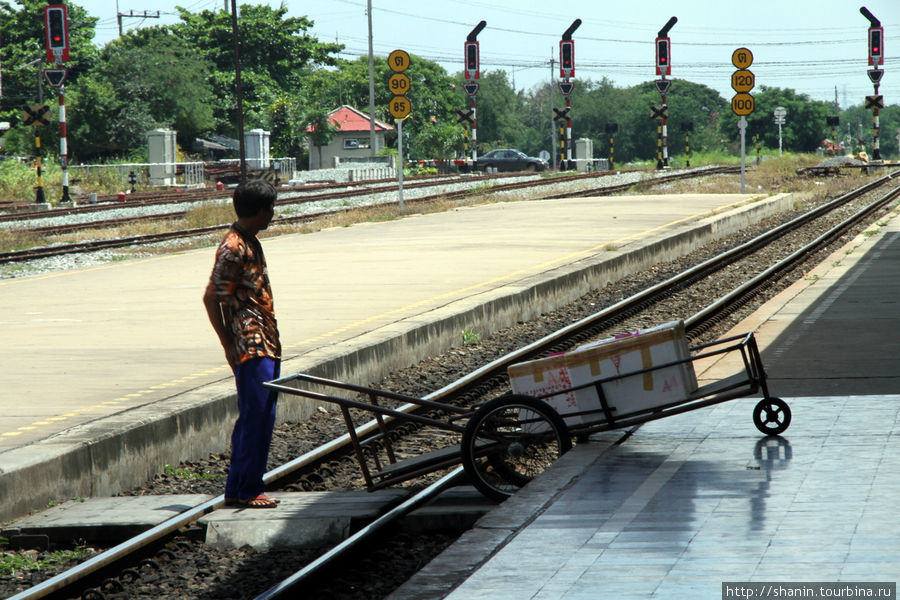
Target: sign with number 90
x=398 y=84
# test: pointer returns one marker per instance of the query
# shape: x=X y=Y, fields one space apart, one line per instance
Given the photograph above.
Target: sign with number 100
x=742 y=104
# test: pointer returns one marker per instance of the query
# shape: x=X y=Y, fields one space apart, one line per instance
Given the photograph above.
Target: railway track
x=711 y=307
x=146 y=239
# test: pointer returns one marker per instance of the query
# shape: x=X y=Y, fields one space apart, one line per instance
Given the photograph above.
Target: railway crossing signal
x=36 y=116
x=875 y=101
x=56 y=27
x=561 y=114
x=659 y=112
x=465 y=116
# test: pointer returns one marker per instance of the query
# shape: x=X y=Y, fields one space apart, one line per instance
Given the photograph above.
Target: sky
x=815 y=47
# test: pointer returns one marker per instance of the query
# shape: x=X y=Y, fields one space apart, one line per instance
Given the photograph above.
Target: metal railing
x=186 y=174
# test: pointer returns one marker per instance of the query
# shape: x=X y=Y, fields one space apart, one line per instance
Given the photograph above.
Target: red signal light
x=55 y=22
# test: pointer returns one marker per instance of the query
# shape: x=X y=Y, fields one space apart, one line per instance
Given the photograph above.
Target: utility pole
x=131 y=15
x=552 y=120
x=239 y=88
x=373 y=146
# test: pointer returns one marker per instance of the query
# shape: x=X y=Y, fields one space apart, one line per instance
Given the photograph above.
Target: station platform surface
x=678 y=507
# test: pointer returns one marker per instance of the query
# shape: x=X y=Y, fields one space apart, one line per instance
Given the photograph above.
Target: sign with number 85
x=399 y=107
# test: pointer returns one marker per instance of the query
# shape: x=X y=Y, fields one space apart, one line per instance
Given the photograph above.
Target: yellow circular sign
x=399 y=107
x=742 y=104
x=398 y=84
x=398 y=60
x=742 y=58
x=743 y=80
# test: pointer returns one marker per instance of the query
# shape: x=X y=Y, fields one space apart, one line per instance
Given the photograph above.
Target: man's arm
x=214 y=312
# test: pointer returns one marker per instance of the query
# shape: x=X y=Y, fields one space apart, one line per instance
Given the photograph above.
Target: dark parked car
x=509 y=160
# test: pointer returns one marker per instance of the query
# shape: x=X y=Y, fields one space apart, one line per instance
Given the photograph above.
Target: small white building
x=352 y=140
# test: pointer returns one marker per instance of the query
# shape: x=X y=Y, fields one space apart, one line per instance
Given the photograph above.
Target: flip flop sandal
x=261 y=501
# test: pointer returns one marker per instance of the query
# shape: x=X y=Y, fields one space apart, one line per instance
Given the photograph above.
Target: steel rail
x=362 y=536
x=479 y=376
x=733 y=297
x=93 y=245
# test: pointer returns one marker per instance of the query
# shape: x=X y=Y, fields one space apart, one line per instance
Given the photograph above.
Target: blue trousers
x=252 y=432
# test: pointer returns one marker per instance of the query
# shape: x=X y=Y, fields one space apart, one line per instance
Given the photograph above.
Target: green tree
x=146 y=79
x=432 y=94
x=805 y=126
x=277 y=54
x=500 y=112
x=438 y=140
x=856 y=129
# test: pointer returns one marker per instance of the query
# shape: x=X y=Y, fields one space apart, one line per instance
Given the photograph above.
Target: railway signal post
x=56 y=27
x=663 y=67
x=472 y=72
x=742 y=104
x=876 y=59
x=566 y=85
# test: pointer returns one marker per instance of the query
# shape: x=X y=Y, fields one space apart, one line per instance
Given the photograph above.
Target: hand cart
x=506 y=442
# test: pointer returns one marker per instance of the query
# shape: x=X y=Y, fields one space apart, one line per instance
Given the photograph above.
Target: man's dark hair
x=252 y=196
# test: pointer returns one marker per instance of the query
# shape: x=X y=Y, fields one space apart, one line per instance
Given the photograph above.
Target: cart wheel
x=772 y=416
x=509 y=441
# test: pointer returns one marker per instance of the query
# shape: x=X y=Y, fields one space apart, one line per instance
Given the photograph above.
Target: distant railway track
x=330 y=193
x=487 y=377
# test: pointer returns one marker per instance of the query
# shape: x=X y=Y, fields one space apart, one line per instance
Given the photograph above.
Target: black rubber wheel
x=510 y=441
x=772 y=416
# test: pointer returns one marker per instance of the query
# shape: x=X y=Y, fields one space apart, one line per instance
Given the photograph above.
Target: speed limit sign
x=399 y=84
x=399 y=107
x=742 y=81
x=742 y=104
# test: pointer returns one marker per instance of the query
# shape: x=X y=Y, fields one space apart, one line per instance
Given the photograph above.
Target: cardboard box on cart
x=608 y=358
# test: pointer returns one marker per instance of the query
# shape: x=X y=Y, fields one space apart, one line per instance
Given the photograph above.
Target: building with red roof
x=352 y=139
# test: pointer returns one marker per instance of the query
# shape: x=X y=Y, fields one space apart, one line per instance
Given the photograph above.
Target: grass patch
x=11 y=240
x=209 y=214
x=470 y=337
x=183 y=473
x=13 y=564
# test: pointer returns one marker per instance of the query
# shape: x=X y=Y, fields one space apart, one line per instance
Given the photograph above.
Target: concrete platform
x=104 y=520
x=302 y=519
x=118 y=372
x=689 y=502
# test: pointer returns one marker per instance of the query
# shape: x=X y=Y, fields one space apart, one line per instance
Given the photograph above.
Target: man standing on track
x=238 y=300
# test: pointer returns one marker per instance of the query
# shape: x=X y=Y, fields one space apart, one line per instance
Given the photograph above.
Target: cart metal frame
x=510 y=439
